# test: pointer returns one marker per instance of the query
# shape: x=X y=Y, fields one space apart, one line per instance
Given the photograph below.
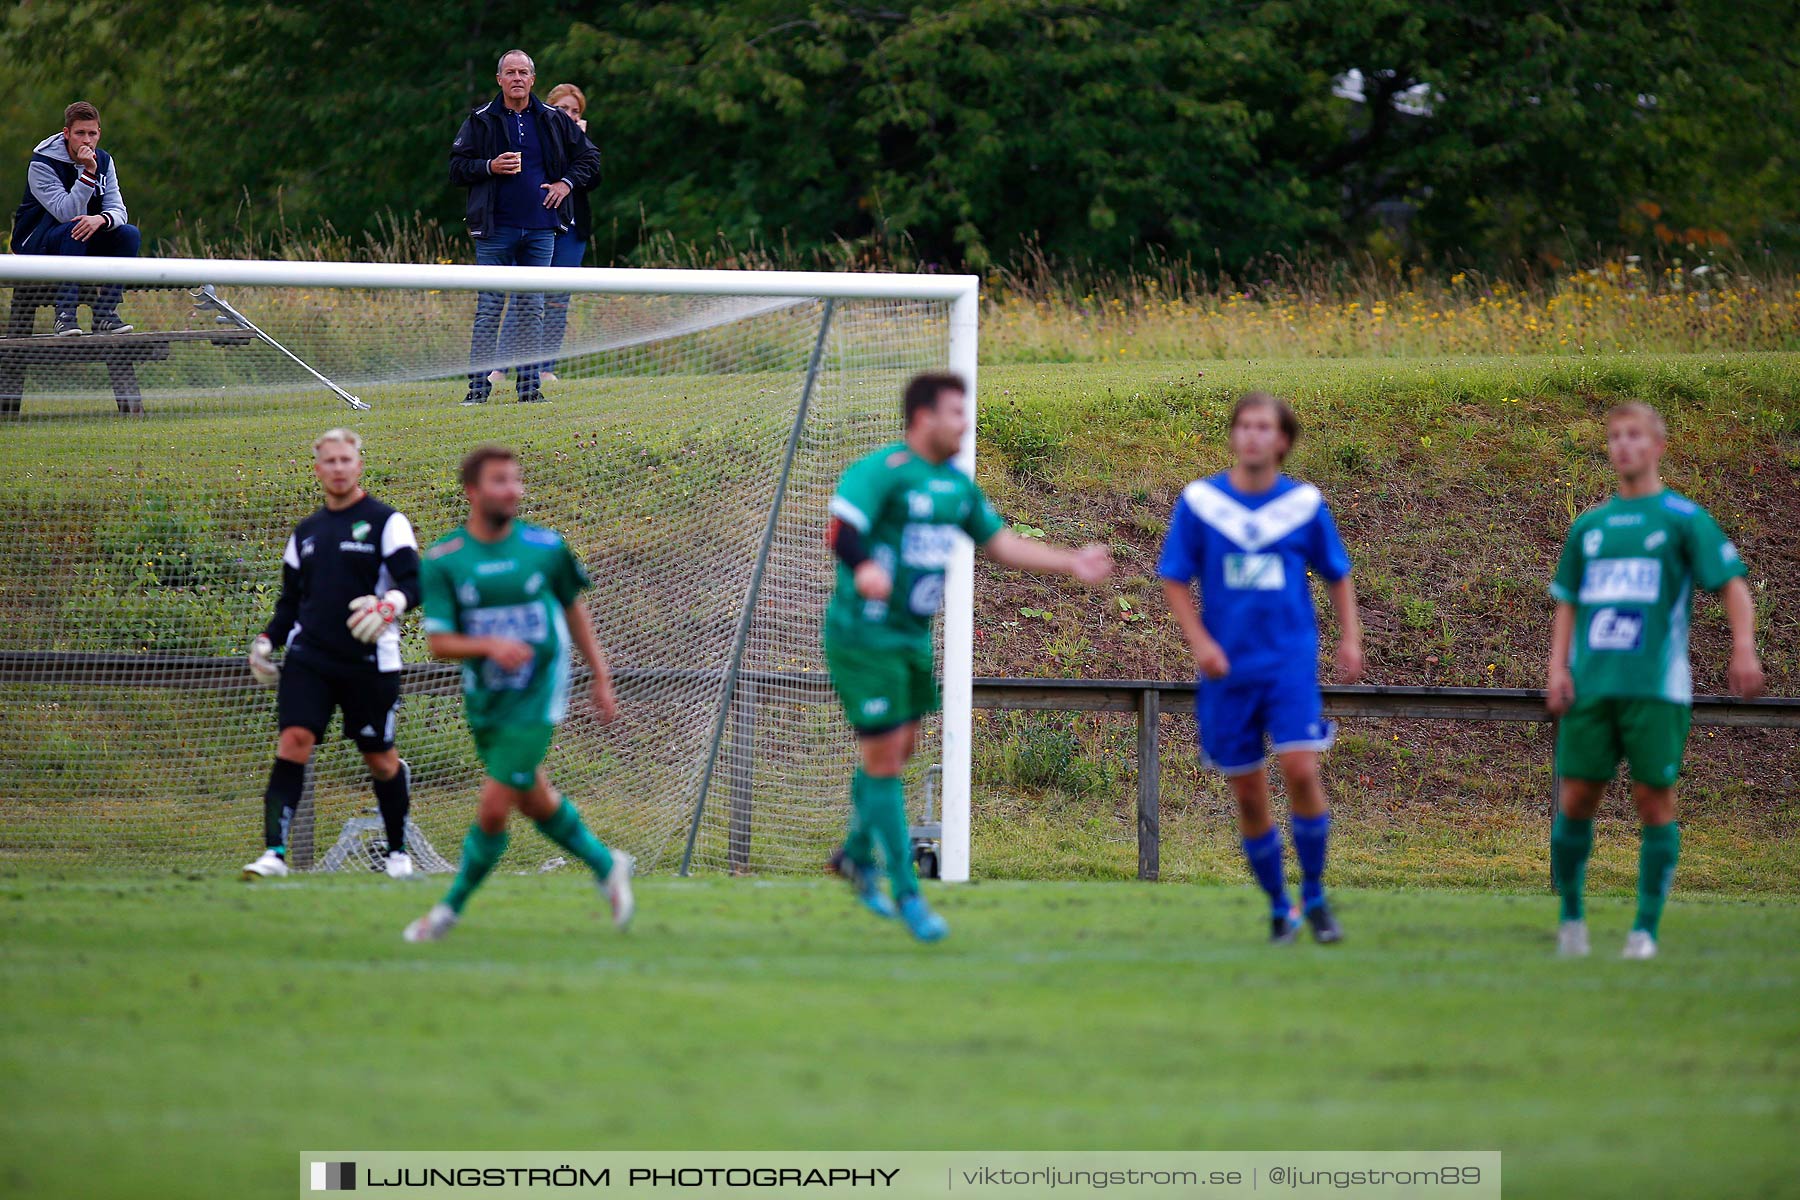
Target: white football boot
x=399 y=862
x=1639 y=945
x=618 y=889
x=270 y=866
x=433 y=925
x=1572 y=939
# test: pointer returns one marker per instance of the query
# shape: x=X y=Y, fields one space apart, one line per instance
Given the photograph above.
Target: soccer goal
x=691 y=428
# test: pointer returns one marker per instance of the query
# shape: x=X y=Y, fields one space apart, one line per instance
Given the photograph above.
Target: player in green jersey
x=503 y=598
x=1619 y=676
x=896 y=520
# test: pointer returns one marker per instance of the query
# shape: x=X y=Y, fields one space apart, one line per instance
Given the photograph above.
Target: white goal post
x=312 y=292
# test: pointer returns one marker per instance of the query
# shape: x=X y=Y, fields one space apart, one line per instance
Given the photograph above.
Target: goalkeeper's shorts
x=311 y=691
x=882 y=687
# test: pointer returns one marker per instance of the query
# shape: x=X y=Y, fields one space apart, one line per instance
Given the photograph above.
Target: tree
x=1098 y=133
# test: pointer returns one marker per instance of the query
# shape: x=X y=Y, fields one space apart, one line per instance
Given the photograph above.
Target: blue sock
x=1310 y=834
x=1264 y=854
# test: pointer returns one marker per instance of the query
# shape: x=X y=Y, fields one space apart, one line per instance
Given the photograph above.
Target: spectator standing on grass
x=73 y=206
x=571 y=243
x=521 y=161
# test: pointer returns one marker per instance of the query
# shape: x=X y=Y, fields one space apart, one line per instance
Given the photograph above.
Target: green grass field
x=186 y=1036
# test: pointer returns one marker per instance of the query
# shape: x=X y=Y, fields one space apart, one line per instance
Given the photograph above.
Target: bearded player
x=1252 y=537
x=896 y=519
x=504 y=599
x=1619 y=676
x=349 y=572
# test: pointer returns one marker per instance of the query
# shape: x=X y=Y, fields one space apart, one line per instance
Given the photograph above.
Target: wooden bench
x=120 y=352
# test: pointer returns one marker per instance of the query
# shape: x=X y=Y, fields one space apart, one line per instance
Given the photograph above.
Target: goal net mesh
x=151 y=479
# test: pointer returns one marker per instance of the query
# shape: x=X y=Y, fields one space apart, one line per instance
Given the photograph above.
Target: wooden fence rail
x=1148 y=698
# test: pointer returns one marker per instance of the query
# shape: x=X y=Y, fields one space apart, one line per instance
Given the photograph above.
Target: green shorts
x=1595 y=734
x=512 y=754
x=884 y=687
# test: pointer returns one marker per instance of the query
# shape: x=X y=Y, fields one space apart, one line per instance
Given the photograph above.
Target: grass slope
x=1453 y=481
x=186 y=1036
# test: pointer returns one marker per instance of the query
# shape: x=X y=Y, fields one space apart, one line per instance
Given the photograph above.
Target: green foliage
x=1031 y=447
x=1042 y=753
x=167 y=547
x=1352 y=457
x=1418 y=612
x=968 y=132
x=167 y=574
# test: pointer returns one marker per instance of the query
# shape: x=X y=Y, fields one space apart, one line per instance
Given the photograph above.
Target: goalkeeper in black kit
x=350 y=571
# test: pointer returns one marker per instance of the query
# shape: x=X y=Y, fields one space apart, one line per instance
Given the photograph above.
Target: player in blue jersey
x=1251 y=537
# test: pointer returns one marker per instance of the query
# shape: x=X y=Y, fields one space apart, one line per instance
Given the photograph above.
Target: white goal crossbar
x=628 y=281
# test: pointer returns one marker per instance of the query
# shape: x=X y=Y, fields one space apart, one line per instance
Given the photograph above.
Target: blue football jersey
x=1250 y=554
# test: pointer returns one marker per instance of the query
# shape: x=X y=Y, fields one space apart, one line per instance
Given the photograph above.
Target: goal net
x=691 y=428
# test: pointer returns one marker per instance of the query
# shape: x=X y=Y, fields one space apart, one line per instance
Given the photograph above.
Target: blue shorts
x=1236 y=715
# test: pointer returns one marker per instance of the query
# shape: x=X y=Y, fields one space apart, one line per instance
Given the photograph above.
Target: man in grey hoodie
x=72 y=205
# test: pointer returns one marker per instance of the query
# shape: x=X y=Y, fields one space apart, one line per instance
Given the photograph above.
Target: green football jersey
x=909 y=512
x=1629 y=568
x=516 y=587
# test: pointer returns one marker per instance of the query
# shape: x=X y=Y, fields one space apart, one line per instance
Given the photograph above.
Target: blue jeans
x=120 y=242
x=519 y=340
x=569 y=252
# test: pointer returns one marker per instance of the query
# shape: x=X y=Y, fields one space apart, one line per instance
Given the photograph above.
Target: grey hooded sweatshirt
x=55 y=193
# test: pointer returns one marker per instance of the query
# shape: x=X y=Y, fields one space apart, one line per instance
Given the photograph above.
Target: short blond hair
x=568 y=89
x=1637 y=408
x=349 y=437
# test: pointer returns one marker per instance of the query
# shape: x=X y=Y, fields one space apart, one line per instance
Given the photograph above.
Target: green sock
x=480 y=852
x=859 y=843
x=1571 y=841
x=884 y=813
x=1657 y=853
x=564 y=827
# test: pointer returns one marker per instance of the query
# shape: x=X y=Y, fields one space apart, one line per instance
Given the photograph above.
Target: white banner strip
x=967 y=1175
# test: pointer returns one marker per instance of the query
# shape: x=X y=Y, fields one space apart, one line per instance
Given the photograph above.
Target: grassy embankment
x=1453 y=478
x=1453 y=481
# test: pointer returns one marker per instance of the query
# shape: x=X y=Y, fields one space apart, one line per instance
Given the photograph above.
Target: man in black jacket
x=521 y=160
